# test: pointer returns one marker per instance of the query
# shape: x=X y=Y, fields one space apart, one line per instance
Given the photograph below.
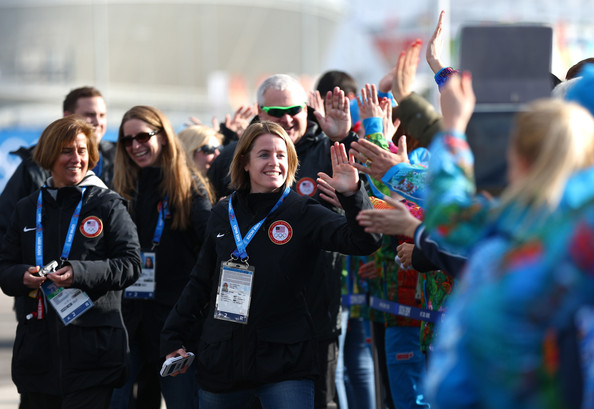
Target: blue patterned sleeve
x=454 y=215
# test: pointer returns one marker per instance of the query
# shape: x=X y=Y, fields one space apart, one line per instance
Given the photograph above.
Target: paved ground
x=9 y=398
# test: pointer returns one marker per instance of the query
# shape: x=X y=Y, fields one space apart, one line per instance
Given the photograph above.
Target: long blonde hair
x=179 y=180
x=555 y=138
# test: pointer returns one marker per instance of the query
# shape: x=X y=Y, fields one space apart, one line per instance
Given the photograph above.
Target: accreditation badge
x=69 y=303
x=234 y=292
x=144 y=287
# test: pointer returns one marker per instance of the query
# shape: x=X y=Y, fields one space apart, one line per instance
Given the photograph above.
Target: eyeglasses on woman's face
x=141 y=137
x=210 y=149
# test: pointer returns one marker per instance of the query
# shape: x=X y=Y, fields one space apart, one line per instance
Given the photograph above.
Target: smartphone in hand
x=176 y=364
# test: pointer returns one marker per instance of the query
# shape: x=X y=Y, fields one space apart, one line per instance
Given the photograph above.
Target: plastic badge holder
x=176 y=364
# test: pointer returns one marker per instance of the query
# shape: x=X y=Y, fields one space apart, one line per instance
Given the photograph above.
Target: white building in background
x=207 y=57
x=182 y=56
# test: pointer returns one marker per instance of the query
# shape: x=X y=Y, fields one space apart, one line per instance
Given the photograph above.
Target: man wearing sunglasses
x=29 y=176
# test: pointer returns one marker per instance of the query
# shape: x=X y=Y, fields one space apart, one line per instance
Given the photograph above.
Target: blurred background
x=206 y=58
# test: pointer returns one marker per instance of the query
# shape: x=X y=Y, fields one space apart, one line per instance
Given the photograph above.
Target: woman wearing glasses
x=169 y=204
x=202 y=144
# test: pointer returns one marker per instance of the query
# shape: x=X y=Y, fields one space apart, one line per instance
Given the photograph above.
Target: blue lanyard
x=240 y=252
x=69 y=235
x=161 y=221
x=98 y=169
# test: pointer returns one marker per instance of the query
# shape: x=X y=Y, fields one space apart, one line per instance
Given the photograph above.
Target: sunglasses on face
x=142 y=137
x=278 y=112
x=209 y=149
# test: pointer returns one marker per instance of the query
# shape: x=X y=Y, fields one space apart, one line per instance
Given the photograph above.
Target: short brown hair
x=240 y=179
x=61 y=132
x=71 y=100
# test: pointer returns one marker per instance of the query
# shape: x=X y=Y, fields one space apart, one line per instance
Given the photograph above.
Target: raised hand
x=369 y=106
x=317 y=102
x=457 y=102
x=435 y=46
x=336 y=121
x=241 y=119
x=389 y=125
x=193 y=121
x=406 y=71
x=345 y=178
x=375 y=160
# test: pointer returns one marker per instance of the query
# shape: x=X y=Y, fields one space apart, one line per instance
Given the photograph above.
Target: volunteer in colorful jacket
x=71 y=343
x=263 y=241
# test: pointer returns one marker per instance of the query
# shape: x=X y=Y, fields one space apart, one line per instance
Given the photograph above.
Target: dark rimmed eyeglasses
x=209 y=149
x=141 y=137
x=278 y=112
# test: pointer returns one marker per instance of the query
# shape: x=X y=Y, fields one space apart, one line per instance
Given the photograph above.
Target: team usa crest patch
x=280 y=232
x=306 y=187
x=91 y=227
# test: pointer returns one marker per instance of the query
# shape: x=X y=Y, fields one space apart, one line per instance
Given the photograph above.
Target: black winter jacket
x=175 y=256
x=29 y=176
x=49 y=357
x=324 y=290
x=276 y=343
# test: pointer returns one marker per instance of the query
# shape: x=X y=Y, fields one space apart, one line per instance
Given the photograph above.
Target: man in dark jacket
x=29 y=176
x=281 y=99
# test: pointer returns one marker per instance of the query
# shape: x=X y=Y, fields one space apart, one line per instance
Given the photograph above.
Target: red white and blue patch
x=280 y=232
x=306 y=187
x=91 y=227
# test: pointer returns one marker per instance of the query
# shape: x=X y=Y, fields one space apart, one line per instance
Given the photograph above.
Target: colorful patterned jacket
x=515 y=319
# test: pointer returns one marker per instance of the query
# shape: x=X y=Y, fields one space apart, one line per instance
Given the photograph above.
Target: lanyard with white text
x=69 y=235
x=69 y=303
x=163 y=213
x=240 y=252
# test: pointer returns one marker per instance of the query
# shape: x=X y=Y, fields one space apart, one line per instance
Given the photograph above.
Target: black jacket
x=324 y=290
x=175 y=256
x=450 y=263
x=29 y=176
x=49 y=357
x=276 y=343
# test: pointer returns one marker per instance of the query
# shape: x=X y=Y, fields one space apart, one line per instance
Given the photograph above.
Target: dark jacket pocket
x=285 y=352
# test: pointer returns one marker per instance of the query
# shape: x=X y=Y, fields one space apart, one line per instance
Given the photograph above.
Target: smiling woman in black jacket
x=257 y=338
x=170 y=206
x=70 y=345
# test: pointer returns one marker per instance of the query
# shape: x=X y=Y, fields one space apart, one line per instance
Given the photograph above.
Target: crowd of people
x=323 y=249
